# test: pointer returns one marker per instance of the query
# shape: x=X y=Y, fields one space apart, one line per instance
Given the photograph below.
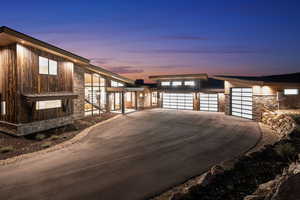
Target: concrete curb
x=60 y=146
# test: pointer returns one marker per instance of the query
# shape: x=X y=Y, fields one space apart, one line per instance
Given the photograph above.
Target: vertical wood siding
x=8 y=82
x=31 y=82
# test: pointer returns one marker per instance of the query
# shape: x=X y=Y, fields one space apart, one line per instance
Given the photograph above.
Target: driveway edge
x=198 y=179
x=60 y=146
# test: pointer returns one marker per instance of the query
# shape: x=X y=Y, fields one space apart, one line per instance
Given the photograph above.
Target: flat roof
x=10 y=36
x=293 y=78
x=179 y=76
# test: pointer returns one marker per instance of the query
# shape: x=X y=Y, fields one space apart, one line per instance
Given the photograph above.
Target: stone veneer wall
x=227 y=109
x=79 y=90
x=263 y=103
x=221 y=102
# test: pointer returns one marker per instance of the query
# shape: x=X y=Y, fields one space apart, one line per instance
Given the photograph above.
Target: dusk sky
x=141 y=38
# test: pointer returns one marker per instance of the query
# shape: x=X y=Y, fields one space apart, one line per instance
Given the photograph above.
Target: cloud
x=203 y=51
x=182 y=37
x=125 y=70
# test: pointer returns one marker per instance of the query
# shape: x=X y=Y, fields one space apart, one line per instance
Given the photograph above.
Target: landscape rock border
x=60 y=146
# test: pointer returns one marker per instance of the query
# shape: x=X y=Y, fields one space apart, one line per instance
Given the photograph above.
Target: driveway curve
x=135 y=156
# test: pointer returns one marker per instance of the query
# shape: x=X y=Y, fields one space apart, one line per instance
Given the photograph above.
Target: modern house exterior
x=44 y=87
x=250 y=96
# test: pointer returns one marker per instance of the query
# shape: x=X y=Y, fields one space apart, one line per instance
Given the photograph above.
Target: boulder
x=254 y=197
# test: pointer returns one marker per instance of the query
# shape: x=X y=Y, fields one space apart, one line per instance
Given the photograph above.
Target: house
x=190 y=92
x=250 y=96
x=44 y=87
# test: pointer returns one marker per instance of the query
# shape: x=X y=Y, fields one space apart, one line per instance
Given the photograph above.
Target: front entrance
x=182 y=101
x=241 y=102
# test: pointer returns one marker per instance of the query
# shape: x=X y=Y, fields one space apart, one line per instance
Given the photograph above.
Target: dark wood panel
x=8 y=82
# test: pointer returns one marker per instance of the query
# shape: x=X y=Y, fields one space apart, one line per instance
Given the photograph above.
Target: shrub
x=286 y=151
x=6 y=149
x=54 y=137
x=40 y=136
x=46 y=145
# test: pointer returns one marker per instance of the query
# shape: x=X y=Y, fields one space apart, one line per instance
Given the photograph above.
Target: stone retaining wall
x=280 y=122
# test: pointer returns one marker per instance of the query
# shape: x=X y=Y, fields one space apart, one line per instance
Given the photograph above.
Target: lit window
x=47 y=66
x=3 y=108
x=43 y=65
x=189 y=83
x=165 y=83
x=128 y=96
x=176 y=83
x=291 y=91
x=116 y=84
x=52 y=67
x=41 y=105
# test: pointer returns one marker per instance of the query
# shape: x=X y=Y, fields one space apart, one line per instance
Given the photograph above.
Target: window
x=47 y=66
x=176 y=83
x=43 y=65
x=165 y=83
x=3 y=108
x=189 y=83
x=291 y=91
x=42 y=105
x=116 y=84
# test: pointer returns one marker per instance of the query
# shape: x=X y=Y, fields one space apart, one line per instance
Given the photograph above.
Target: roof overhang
x=179 y=77
x=255 y=82
x=9 y=36
x=109 y=73
x=50 y=96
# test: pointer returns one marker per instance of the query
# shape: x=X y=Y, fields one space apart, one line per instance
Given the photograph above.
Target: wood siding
x=31 y=82
x=8 y=82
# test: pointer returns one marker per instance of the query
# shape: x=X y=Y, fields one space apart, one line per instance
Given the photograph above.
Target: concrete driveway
x=133 y=157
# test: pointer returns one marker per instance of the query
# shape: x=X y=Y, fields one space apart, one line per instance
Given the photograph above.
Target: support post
x=123 y=103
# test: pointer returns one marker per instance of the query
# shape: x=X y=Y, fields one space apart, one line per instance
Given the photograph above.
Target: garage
x=208 y=102
x=241 y=102
x=182 y=101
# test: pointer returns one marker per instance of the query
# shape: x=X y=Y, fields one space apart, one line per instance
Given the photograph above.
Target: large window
x=42 y=105
x=291 y=92
x=116 y=84
x=95 y=94
x=154 y=98
x=47 y=66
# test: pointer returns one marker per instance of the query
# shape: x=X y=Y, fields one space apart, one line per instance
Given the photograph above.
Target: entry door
x=209 y=102
x=182 y=101
x=241 y=102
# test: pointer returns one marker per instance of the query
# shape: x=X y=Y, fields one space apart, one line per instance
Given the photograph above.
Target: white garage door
x=178 y=101
x=208 y=102
x=241 y=102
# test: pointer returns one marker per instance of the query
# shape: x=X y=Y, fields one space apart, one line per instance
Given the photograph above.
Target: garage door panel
x=208 y=102
x=241 y=102
x=178 y=101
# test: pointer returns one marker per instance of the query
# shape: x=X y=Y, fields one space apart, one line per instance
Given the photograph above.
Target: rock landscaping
x=280 y=122
x=11 y=146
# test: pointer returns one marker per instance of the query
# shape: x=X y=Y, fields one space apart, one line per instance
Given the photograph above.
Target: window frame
x=291 y=89
x=48 y=66
x=37 y=105
x=177 y=83
x=189 y=85
x=162 y=83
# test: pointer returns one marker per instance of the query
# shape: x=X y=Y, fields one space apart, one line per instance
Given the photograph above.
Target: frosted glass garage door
x=208 y=102
x=182 y=101
x=241 y=102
